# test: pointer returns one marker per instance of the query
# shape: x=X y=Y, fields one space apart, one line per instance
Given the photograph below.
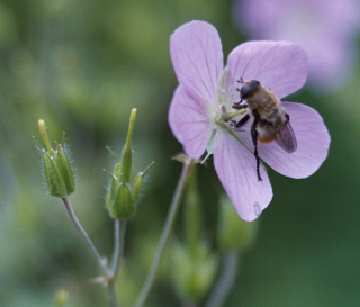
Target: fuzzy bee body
x=270 y=120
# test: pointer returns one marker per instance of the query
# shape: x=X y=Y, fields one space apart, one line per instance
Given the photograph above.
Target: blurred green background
x=82 y=65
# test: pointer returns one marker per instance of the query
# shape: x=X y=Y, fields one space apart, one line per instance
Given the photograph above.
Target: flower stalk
x=119 y=240
x=225 y=282
x=76 y=222
x=174 y=206
x=192 y=213
x=194 y=265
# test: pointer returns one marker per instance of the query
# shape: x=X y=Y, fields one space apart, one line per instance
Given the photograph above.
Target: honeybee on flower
x=205 y=114
x=270 y=120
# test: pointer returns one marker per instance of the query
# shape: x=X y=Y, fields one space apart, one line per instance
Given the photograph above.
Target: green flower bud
x=54 y=180
x=124 y=189
x=125 y=168
x=61 y=298
x=139 y=180
x=193 y=275
x=118 y=170
x=65 y=168
x=111 y=194
x=122 y=205
x=43 y=134
x=57 y=167
x=233 y=232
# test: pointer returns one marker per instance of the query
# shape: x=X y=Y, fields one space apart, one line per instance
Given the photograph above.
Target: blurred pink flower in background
x=206 y=90
x=326 y=29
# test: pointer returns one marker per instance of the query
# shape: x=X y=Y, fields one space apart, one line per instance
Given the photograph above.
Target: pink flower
x=206 y=94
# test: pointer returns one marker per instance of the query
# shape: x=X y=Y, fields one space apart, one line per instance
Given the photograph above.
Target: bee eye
x=245 y=91
x=249 y=88
x=255 y=84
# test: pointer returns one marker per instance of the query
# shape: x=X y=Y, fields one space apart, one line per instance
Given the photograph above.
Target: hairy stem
x=174 y=206
x=225 y=282
x=76 y=222
x=119 y=238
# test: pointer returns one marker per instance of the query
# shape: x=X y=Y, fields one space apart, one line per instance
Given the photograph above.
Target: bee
x=270 y=120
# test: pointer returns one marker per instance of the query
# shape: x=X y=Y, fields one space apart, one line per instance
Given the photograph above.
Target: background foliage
x=83 y=65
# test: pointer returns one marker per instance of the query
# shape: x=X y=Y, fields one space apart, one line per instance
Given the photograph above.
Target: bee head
x=249 y=88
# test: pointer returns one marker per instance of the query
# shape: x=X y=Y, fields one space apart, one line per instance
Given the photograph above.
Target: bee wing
x=286 y=138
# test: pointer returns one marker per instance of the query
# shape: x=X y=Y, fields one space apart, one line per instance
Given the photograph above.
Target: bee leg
x=241 y=122
x=238 y=106
x=203 y=156
x=254 y=137
x=287 y=118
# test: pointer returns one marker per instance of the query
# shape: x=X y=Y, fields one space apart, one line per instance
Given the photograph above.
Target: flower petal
x=313 y=141
x=236 y=168
x=197 y=57
x=279 y=65
x=189 y=123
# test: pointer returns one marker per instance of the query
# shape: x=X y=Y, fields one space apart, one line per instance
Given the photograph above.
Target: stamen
x=202 y=161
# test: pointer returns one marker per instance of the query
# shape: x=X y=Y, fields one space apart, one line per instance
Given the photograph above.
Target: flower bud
x=65 y=168
x=61 y=298
x=111 y=193
x=43 y=134
x=55 y=183
x=125 y=167
x=124 y=189
x=193 y=276
x=122 y=205
x=139 y=180
x=138 y=183
x=57 y=166
x=233 y=232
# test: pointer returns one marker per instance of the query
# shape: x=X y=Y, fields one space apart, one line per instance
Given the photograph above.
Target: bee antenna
x=241 y=80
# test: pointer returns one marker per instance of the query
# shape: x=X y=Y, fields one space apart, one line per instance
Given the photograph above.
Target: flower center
x=221 y=113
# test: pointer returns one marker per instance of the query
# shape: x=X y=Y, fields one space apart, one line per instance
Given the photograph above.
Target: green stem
x=192 y=213
x=119 y=238
x=225 y=282
x=112 y=294
x=76 y=222
x=174 y=206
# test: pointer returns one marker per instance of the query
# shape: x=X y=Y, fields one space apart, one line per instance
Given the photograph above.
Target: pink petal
x=189 y=123
x=197 y=57
x=236 y=168
x=279 y=65
x=313 y=141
